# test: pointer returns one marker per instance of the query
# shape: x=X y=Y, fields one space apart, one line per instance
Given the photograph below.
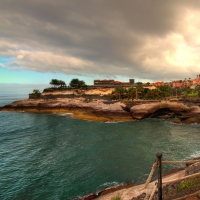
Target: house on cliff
x=177 y=84
x=157 y=84
x=197 y=80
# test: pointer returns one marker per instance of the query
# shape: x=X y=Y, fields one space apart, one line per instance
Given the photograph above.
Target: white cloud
x=49 y=62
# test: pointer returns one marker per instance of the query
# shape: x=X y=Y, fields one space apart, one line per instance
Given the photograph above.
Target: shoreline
x=111 y=111
x=76 y=113
x=172 y=180
x=113 y=190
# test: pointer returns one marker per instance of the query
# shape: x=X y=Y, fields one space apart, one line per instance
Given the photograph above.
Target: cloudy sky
x=149 y=40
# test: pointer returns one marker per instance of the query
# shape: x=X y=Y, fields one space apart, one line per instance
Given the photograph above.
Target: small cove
x=50 y=156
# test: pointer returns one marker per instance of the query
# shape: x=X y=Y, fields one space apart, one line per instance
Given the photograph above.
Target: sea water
x=52 y=156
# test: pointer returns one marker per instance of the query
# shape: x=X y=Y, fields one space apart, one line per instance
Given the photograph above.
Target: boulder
x=143 y=110
x=195 y=109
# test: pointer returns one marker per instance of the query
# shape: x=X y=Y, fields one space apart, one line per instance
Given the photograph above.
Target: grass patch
x=116 y=198
x=195 y=94
x=187 y=184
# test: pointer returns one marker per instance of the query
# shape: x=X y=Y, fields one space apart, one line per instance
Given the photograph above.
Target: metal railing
x=158 y=185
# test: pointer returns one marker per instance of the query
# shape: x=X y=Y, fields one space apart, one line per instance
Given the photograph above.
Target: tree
x=147 y=83
x=62 y=83
x=139 y=85
x=119 y=92
x=153 y=94
x=197 y=89
x=76 y=83
x=36 y=91
x=165 y=90
x=131 y=93
x=55 y=82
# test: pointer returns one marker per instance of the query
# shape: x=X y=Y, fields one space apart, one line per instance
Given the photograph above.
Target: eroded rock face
x=97 y=108
x=143 y=110
x=179 y=112
x=165 y=108
x=195 y=109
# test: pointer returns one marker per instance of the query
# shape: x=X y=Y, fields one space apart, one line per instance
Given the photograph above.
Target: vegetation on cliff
x=57 y=83
x=76 y=83
x=159 y=93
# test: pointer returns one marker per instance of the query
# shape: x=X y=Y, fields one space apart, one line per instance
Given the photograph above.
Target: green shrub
x=186 y=184
x=195 y=94
x=116 y=198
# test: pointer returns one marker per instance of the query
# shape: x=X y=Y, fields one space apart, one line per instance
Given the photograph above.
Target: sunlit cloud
x=153 y=40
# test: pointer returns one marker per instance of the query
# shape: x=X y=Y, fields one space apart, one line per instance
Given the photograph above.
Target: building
x=177 y=84
x=157 y=84
x=112 y=82
x=104 y=82
x=197 y=80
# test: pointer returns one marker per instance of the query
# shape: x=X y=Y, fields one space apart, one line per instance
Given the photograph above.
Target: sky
x=147 y=40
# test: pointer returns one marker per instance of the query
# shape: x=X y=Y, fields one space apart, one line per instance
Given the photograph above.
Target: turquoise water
x=50 y=156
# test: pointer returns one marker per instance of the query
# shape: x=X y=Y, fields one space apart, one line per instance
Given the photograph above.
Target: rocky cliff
x=112 y=110
x=180 y=112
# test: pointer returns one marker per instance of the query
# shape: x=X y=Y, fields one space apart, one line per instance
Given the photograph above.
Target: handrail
x=155 y=164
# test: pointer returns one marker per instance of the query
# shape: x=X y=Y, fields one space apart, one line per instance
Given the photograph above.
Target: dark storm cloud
x=146 y=38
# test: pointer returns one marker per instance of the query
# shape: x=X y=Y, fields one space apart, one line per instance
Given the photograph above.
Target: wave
x=196 y=154
x=113 y=184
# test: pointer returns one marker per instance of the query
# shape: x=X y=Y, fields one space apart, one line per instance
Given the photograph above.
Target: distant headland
x=135 y=101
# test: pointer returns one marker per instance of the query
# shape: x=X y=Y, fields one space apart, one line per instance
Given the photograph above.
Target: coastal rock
x=191 y=120
x=143 y=110
x=156 y=109
x=90 y=197
x=93 y=108
x=192 y=169
x=195 y=109
x=111 y=110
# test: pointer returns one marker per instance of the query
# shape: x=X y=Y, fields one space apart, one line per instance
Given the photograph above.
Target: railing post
x=159 y=160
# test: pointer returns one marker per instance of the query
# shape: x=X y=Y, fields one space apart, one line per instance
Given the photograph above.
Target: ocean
x=54 y=156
